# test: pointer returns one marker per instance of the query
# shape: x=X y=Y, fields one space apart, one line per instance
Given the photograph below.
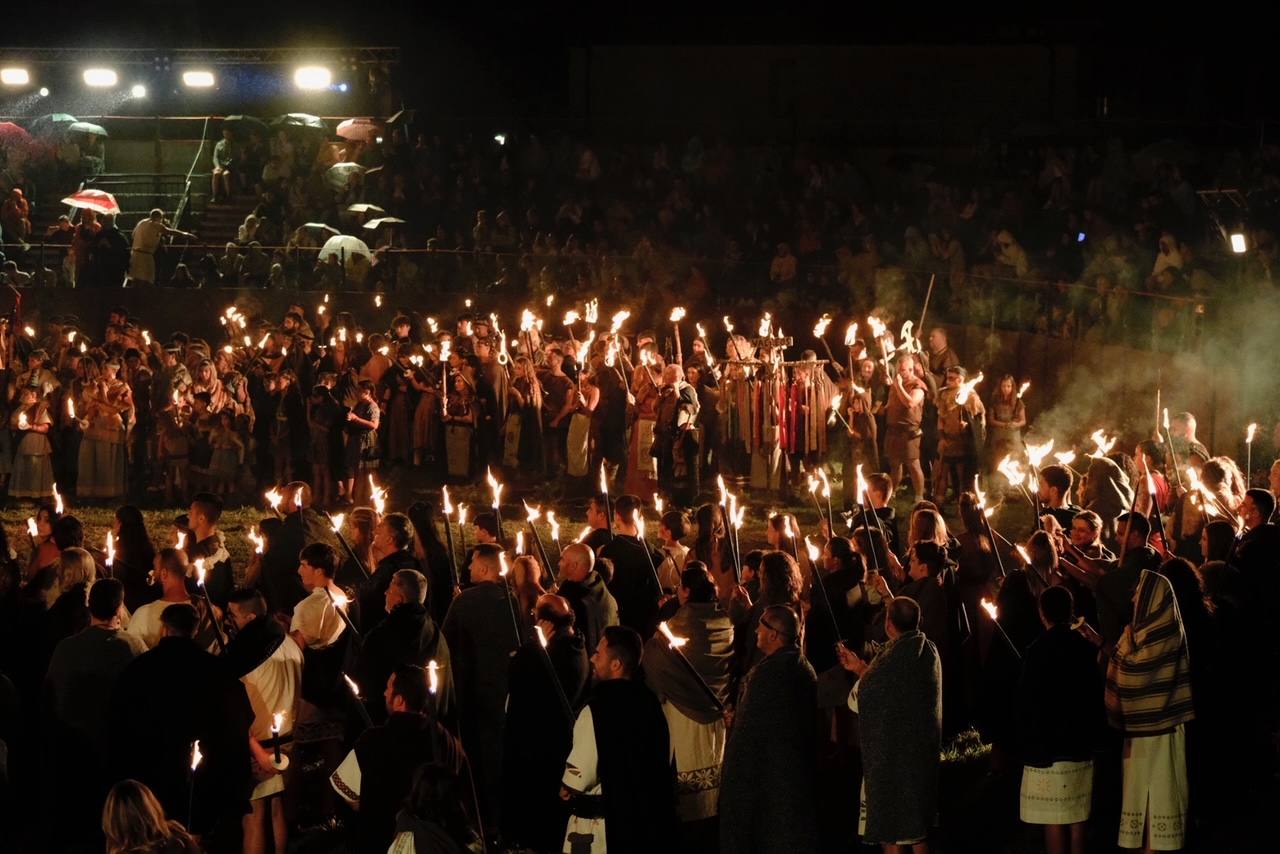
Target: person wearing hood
x=694 y=720
x=539 y=731
x=1149 y=701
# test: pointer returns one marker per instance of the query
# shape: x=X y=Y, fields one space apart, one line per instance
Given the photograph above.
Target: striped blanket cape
x=1149 y=677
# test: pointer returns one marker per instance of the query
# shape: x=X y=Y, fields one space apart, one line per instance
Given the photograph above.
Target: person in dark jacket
x=166 y=700
x=594 y=607
x=393 y=539
x=768 y=778
x=635 y=581
x=378 y=773
x=482 y=637
x=1060 y=715
x=407 y=635
x=619 y=780
x=539 y=731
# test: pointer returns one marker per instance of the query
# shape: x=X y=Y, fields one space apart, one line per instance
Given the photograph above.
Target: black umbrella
x=305 y=121
x=247 y=123
x=51 y=124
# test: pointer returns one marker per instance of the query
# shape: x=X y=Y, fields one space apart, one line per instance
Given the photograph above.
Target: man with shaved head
x=594 y=607
x=481 y=639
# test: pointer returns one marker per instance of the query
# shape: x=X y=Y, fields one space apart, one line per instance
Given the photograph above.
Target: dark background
x=782 y=72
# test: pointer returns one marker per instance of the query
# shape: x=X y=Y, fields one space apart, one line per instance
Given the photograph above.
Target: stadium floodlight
x=312 y=77
x=100 y=78
x=1238 y=244
x=15 y=76
x=198 y=79
x=138 y=90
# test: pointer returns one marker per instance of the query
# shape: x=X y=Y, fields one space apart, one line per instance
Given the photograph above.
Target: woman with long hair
x=434 y=558
x=134 y=823
x=361 y=523
x=711 y=546
x=134 y=557
x=1006 y=417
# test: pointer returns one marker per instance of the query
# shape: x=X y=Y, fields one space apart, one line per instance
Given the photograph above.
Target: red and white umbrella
x=93 y=200
x=360 y=129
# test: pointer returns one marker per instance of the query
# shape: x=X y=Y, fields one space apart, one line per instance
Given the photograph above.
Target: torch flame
x=571 y=317
x=702 y=333
x=604 y=479
x=813 y=484
x=1250 y=432
x=724 y=493
x=277 y=721
x=462 y=514
x=199 y=564
x=677 y=314
x=673 y=640
x=57 y=501
x=1022 y=389
x=526 y=321
x=877 y=326
x=989 y=607
x=31 y=527
x=71 y=408
x=181 y=541
x=23 y=423
x=1151 y=485
x=1065 y=458
x=826 y=484
x=583 y=534
x=542 y=636
x=966 y=389
x=196 y=755
x=351 y=683
x=1166 y=419
x=592 y=309
x=259 y=543
x=378 y=496
x=1011 y=469
x=1104 y=442
x=111 y=549
x=519 y=542
x=1036 y=453
x=820 y=328
x=658 y=504
x=448 y=505
x=851 y=335
x=786 y=527
x=862 y=486
x=555 y=526
x=813 y=551
x=503 y=569
x=1022 y=552
x=728 y=324
x=766 y=323
x=619 y=318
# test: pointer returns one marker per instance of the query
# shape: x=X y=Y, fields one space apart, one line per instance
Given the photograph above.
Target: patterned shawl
x=1149 y=677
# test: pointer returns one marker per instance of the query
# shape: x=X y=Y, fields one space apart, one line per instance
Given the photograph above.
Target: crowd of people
x=1095 y=239
x=397 y=688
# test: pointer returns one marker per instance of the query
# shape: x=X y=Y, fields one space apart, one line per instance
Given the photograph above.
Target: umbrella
x=86 y=127
x=339 y=174
x=375 y=224
x=402 y=117
x=51 y=123
x=9 y=132
x=248 y=123
x=93 y=200
x=364 y=207
x=321 y=227
x=344 y=244
x=360 y=130
x=300 y=120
